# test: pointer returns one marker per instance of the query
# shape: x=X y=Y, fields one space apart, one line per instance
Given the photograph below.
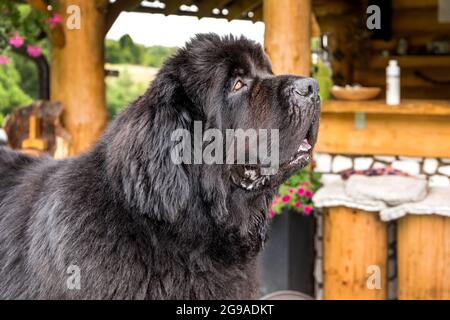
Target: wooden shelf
x=407 y=107
x=417 y=128
x=412 y=61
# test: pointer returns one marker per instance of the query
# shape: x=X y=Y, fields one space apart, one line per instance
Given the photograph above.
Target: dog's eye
x=238 y=86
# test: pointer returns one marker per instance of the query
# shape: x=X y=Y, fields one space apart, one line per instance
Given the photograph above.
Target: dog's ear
x=139 y=155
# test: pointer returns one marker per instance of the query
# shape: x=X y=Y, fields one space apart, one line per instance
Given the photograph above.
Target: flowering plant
x=296 y=193
x=23 y=29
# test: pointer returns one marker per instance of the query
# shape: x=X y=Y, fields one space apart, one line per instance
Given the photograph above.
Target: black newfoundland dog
x=124 y=222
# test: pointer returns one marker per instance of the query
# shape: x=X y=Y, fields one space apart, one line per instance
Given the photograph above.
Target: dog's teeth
x=305 y=146
x=250 y=174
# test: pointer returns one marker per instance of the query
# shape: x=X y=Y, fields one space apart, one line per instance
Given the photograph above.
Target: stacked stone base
x=435 y=170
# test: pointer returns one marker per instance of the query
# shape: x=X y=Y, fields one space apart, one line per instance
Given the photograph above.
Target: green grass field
x=132 y=82
x=138 y=74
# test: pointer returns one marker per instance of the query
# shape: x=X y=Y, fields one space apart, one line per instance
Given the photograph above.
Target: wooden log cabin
x=419 y=128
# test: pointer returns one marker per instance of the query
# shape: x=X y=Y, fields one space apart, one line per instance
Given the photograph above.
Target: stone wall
x=435 y=170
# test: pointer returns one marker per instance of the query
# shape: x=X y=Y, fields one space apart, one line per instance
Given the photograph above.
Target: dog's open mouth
x=302 y=152
x=256 y=177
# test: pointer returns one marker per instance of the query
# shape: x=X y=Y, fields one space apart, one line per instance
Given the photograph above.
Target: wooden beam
x=172 y=6
x=205 y=13
x=288 y=35
x=416 y=128
x=325 y=8
x=411 y=61
x=39 y=5
x=179 y=13
x=205 y=7
x=413 y=23
x=417 y=108
x=114 y=9
x=239 y=8
x=257 y=14
x=78 y=75
x=315 y=27
x=409 y=4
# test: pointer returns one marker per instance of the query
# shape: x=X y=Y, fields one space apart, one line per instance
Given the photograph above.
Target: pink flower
x=54 y=20
x=298 y=204
x=272 y=213
x=300 y=191
x=4 y=60
x=286 y=198
x=307 y=209
x=291 y=190
x=16 y=41
x=33 y=51
x=276 y=200
x=309 y=194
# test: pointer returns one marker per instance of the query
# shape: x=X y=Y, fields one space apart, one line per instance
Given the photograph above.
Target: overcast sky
x=157 y=29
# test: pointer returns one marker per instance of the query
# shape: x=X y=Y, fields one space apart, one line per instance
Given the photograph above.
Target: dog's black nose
x=306 y=87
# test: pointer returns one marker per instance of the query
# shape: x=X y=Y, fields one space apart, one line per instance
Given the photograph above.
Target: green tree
x=19 y=79
x=113 y=53
x=21 y=18
x=120 y=92
x=28 y=74
x=11 y=94
x=156 y=55
x=127 y=52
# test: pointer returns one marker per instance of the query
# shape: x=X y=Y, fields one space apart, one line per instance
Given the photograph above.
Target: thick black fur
x=137 y=225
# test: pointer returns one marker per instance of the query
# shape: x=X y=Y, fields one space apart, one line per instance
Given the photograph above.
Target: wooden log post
x=77 y=72
x=288 y=34
x=423 y=244
x=354 y=255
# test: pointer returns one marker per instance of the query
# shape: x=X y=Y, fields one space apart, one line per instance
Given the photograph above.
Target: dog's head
x=273 y=119
x=213 y=86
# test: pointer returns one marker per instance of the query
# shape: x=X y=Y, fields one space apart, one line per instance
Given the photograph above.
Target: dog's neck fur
x=219 y=224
